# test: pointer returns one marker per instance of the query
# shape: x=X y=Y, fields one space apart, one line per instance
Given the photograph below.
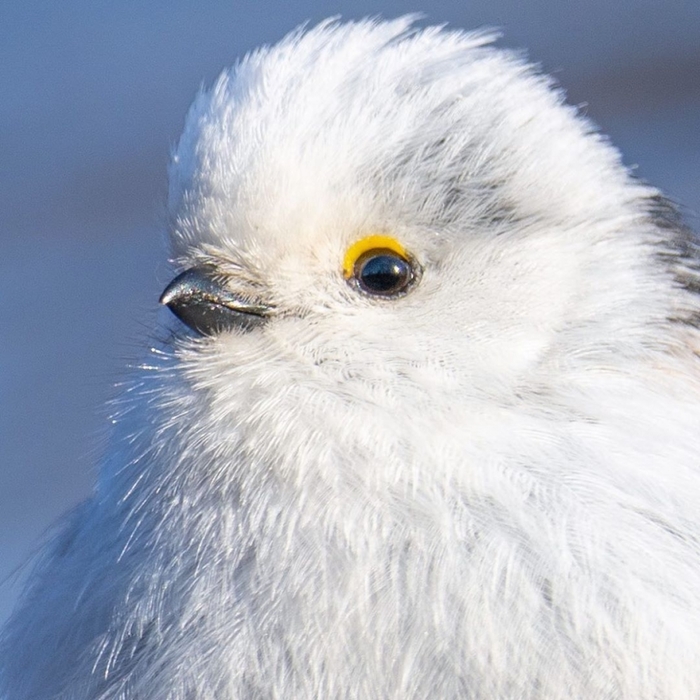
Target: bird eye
x=379 y=265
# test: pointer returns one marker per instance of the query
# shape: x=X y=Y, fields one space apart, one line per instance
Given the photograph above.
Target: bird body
x=483 y=484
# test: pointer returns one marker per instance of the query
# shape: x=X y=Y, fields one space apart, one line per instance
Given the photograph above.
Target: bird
x=419 y=417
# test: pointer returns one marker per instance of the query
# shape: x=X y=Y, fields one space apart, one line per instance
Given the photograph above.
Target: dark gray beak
x=206 y=306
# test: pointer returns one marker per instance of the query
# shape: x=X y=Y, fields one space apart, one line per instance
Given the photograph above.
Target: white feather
x=488 y=488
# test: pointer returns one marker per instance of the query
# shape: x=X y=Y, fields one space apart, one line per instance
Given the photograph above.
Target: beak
x=207 y=307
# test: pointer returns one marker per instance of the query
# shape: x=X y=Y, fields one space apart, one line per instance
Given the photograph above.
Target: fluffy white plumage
x=487 y=488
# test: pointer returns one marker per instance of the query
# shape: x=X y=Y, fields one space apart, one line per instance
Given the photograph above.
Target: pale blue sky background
x=93 y=94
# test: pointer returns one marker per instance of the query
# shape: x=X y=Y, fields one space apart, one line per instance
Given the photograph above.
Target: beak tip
x=186 y=285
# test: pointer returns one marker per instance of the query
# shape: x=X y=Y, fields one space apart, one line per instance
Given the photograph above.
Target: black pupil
x=384 y=273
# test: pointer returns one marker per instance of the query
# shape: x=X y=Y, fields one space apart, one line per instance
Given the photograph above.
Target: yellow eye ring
x=359 y=248
x=379 y=266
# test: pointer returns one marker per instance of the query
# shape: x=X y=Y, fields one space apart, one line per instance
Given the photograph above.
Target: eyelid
x=369 y=243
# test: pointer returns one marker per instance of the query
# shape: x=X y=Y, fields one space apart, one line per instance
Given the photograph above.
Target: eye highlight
x=379 y=266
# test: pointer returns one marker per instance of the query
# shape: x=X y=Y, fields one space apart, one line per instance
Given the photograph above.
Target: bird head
x=408 y=221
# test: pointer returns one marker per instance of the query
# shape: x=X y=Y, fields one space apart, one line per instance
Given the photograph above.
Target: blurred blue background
x=93 y=96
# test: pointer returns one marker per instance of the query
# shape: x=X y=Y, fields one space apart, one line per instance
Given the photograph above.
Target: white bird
x=431 y=425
